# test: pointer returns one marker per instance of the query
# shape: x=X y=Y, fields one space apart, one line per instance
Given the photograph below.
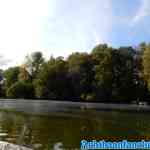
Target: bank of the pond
x=9 y=146
x=49 y=106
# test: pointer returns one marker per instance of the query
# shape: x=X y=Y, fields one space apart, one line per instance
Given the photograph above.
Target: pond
x=42 y=131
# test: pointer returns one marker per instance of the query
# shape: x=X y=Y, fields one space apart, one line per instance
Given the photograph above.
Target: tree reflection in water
x=42 y=132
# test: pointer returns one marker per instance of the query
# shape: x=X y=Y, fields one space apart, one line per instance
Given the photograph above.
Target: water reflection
x=42 y=132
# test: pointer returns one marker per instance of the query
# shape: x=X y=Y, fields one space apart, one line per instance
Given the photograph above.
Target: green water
x=43 y=131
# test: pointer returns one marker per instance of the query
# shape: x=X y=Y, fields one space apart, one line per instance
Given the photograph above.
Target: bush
x=20 y=90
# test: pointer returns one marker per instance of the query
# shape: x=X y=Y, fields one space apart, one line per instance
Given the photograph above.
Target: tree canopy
x=106 y=74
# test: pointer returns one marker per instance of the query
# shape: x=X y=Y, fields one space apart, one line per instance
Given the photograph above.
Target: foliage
x=146 y=65
x=123 y=83
x=81 y=74
x=105 y=75
x=20 y=90
x=24 y=75
x=51 y=82
x=33 y=62
x=11 y=75
x=102 y=57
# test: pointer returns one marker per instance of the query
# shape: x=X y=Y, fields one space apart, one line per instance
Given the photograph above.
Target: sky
x=60 y=27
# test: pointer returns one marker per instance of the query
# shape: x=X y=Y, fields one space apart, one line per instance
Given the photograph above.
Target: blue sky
x=60 y=27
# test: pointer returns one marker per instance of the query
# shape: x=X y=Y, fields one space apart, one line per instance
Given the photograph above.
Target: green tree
x=123 y=77
x=2 y=83
x=102 y=57
x=33 y=63
x=51 y=81
x=146 y=65
x=11 y=76
x=142 y=47
x=81 y=75
x=20 y=90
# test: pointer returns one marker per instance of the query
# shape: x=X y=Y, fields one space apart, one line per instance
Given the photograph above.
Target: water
x=42 y=131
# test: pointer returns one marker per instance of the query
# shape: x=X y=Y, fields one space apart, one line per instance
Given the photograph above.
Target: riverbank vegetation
x=105 y=75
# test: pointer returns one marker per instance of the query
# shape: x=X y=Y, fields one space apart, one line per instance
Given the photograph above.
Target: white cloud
x=143 y=11
x=3 y=62
x=80 y=25
x=20 y=26
x=98 y=38
x=59 y=25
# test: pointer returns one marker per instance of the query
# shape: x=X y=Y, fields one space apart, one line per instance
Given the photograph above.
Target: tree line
x=107 y=74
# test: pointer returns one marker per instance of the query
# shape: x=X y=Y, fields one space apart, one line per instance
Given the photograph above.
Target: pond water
x=43 y=130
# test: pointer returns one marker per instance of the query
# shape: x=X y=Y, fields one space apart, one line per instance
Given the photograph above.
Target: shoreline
x=49 y=106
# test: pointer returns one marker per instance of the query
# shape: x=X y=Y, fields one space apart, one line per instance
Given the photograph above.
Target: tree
x=81 y=75
x=11 y=75
x=2 y=87
x=142 y=47
x=24 y=75
x=33 y=62
x=123 y=77
x=20 y=90
x=146 y=65
x=51 y=81
x=102 y=57
x=106 y=74
x=141 y=85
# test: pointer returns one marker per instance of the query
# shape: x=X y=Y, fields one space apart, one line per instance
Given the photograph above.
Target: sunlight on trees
x=105 y=75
